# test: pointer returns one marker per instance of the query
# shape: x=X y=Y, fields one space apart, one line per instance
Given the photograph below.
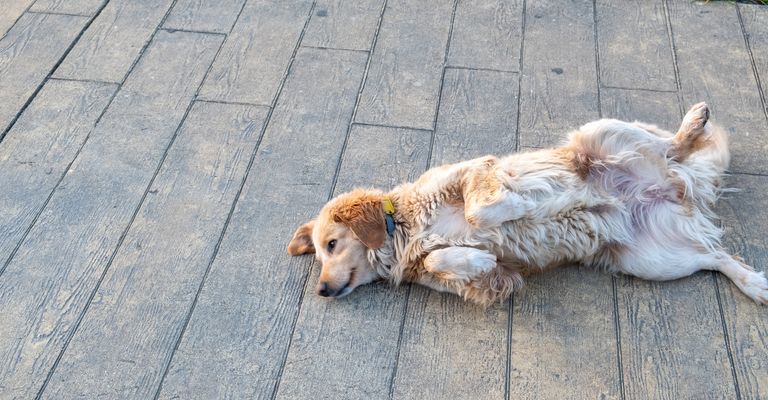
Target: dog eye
x=331 y=245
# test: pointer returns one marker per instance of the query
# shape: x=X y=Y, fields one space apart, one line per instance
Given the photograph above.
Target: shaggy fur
x=624 y=197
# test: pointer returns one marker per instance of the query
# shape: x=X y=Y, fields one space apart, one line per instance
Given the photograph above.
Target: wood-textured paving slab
x=745 y=221
x=634 y=45
x=563 y=337
x=656 y=108
x=559 y=82
x=12 y=10
x=715 y=67
x=37 y=151
x=403 y=82
x=343 y=24
x=662 y=356
x=113 y=41
x=477 y=116
x=80 y=7
x=486 y=34
x=28 y=53
x=755 y=20
x=204 y=15
x=241 y=328
x=256 y=53
x=358 y=334
x=122 y=346
x=451 y=348
x=48 y=283
x=563 y=331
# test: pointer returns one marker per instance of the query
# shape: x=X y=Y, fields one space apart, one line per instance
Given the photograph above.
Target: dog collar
x=389 y=211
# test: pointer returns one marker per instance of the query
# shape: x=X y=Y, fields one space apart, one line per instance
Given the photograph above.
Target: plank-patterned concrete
x=257 y=52
x=38 y=150
x=404 y=78
x=12 y=10
x=486 y=34
x=77 y=7
x=634 y=47
x=343 y=24
x=362 y=342
x=456 y=346
x=114 y=41
x=52 y=277
x=28 y=53
x=654 y=318
x=157 y=155
x=204 y=15
x=152 y=281
x=252 y=296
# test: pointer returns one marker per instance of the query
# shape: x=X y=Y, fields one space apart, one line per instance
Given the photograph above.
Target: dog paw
x=755 y=285
x=459 y=263
x=696 y=117
x=482 y=261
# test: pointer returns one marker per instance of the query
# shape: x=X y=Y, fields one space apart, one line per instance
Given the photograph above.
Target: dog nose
x=322 y=289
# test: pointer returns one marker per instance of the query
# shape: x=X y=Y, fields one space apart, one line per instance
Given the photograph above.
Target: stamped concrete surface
x=156 y=156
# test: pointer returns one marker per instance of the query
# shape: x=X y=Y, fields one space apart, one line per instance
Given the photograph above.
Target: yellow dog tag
x=389 y=208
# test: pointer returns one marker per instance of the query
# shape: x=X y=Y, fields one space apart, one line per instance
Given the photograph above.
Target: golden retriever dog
x=624 y=197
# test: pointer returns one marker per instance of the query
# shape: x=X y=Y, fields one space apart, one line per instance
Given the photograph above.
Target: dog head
x=347 y=228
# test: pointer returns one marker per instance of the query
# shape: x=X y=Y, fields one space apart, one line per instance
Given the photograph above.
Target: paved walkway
x=156 y=157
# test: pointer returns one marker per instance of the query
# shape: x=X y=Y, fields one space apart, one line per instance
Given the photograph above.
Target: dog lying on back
x=625 y=197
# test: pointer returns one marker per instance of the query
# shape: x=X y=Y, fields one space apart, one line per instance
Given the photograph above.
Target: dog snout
x=323 y=290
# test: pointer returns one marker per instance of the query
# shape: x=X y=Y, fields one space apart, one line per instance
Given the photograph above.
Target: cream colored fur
x=624 y=197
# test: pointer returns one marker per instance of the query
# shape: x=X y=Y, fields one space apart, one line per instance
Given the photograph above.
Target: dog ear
x=301 y=243
x=365 y=217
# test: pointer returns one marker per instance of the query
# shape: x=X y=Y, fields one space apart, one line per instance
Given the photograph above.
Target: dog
x=619 y=196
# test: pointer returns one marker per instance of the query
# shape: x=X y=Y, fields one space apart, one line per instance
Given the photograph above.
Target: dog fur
x=624 y=197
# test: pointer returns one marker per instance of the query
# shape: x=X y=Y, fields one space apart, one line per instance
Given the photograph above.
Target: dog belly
x=450 y=223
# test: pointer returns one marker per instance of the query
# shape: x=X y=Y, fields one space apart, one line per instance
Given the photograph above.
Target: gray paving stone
x=343 y=24
x=486 y=34
x=403 y=81
x=129 y=333
x=49 y=282
x=114 y=41
x=362 y=337
x=635 y=51
x=36 y=152
x=28 y=53
x=80 y=7
x=252 y=295
x=12 y=10
x=256 y=55
x=204 y=15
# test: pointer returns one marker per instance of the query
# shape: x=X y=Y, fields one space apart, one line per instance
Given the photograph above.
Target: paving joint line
x=673 y=51
x=520 y=78
x=174 y=30
x=481 y=69
x=56 y=13
x=391 y=126
x=233 y=103
x=755 y=71
x=638 y=89
x=333 y=48
x=614 y=289
x=680 y=97
x=726 y=337
x=511 y=311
